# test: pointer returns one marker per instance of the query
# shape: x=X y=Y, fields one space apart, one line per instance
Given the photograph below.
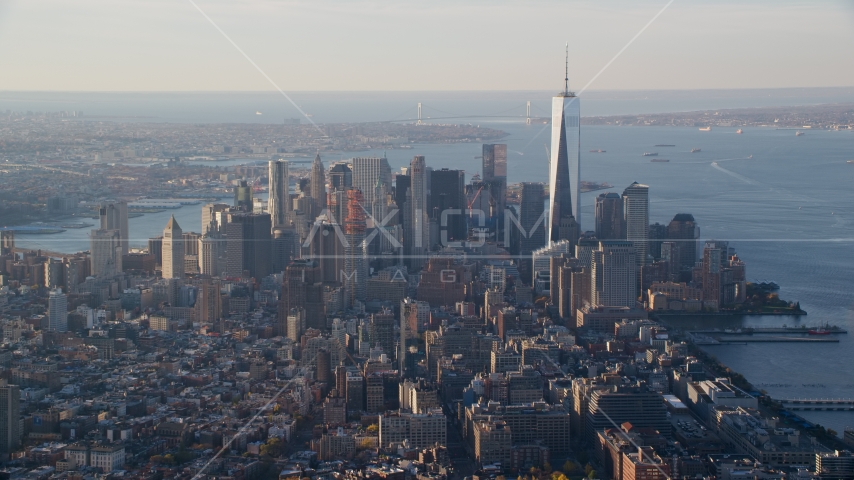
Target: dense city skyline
x=321 y=295
x=401 y=300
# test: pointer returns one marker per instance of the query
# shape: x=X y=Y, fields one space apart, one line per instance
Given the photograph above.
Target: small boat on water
x=659 y=160
x=650 y=154
x=739 y=131
x=597 y=151
x=799 y=133
x=705 y=129
x=695 y=150
x=822 y=330
x=850 y=161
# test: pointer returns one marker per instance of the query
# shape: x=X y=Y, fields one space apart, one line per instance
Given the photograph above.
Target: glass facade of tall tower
x=278 y=201
x=495 y=181
x=418 y=206
x=366 y=172
x=564 y=165
x=531 y=209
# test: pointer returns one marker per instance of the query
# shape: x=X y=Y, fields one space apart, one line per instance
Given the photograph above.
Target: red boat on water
x=822 y=330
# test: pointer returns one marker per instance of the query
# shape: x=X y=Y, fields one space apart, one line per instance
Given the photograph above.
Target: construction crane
x=473 y=200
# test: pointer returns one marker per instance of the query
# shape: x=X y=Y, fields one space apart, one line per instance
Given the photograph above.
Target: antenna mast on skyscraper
x=566 y=78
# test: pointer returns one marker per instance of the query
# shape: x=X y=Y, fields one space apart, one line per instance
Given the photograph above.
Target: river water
x=788 y=211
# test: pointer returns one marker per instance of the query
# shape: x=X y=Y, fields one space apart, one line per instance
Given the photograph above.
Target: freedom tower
x=564 y=165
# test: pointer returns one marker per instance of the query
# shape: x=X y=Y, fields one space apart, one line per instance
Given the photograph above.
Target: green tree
x=272 y=448
x=568 y=467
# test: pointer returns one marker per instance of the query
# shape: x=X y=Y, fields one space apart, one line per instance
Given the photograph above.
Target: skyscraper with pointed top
x=173 y=250
x=564 y=164
x=318 y=187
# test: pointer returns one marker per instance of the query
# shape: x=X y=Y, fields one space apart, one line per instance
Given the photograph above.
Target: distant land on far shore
x=828 y=116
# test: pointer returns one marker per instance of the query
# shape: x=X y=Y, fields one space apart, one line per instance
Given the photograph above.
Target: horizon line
x=592 y=90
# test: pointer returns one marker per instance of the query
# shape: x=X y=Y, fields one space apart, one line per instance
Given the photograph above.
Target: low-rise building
x=421 y=430
x=748 y=432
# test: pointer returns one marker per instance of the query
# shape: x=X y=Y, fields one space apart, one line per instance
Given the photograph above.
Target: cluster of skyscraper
x=337 y=235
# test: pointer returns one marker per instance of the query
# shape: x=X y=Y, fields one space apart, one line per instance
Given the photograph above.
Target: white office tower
x=614 y=274
x=173 y=250
x=212 y=217
x=366 y=172
x=279 y=199
x=212 y=253
x=565 y=165
x=57 y=311
x=105 y=252
x=636 y=208
x=420 y=214
x=114 y=216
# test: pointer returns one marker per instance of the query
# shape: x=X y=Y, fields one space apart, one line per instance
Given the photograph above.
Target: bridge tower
x=419 y=122
x=528 y=113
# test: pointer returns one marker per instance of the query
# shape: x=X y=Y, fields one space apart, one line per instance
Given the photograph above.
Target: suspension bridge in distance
x=421 y=119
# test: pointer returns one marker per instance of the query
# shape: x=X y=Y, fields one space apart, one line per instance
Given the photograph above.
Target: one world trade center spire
x=564 y=164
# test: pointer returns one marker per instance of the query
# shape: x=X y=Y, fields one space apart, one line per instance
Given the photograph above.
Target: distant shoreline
x=835 y=116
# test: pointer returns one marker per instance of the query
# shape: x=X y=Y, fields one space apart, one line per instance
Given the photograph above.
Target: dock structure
x=752 y=339
x=776 y=330
x=818 y=404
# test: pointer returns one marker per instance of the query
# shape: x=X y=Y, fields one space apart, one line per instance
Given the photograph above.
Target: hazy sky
x=140 y=45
